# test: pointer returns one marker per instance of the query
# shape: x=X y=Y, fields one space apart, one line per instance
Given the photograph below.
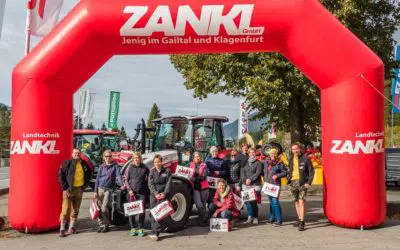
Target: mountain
x=2 y=105
x=231 y=129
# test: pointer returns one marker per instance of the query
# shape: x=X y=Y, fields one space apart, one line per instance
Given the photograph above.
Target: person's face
x=214 y=154
x=108 y=158
x=197 y=158
x=252 y=153
x=157 y=163
x=296 y=150
x=245 y=149
x=234 y=154
x=76 y=154
x=221 y=187
x=136 y=160
x=273 y=156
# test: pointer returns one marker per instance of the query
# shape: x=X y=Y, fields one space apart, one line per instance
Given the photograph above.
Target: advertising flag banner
x=2 y=8
x=114 y=110
x=43 y=15
x=243 y=119
x=396 y=85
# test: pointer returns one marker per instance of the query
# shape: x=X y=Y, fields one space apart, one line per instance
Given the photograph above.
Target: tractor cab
x=188 y=134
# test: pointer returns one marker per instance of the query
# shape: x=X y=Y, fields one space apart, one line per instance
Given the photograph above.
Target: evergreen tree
x=104 y=127
x=154 y=114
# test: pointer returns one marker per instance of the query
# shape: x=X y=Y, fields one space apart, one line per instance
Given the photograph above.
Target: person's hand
x=237 y=189
x=162 y=196
x=66 y=193
x=215 y=214
x=216 y=173
x=248 y=182
x=123 y=187
x=274 y=177
x=94 y=195
x=131 y=193
x=306 y=185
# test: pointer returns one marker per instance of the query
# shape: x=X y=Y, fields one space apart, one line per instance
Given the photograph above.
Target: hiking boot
x=296 y=224
x=270 y=221
x=153 y=236
x=132 y=232
x=141 y=233
x=249 y=220
x=72 y=230
x=62 y=233
x=301 y=226
x=255 y=221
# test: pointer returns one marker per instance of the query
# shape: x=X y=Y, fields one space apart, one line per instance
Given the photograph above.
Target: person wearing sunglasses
x=108 y=173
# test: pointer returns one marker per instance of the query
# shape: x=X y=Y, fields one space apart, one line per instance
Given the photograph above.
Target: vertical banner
x=43 y=15
x=114 y=109
x=396 y=85
x=2 y=9
x=243 y=126
x=272 y=132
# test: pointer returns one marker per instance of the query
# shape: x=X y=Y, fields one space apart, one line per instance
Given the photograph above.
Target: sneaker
x=72 y=230
x=62 y=233
x=153 y=236
x=255 y=221
x=141 y=233
x=99 y=229
x=249 y=220
x=296 y=224
x=204 y=224
x=278 y=223
x=270 y=221
x=132 y=232
x=301 y=226
x=105 y=229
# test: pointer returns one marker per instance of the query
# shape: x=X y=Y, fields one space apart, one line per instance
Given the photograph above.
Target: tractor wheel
x=181 y=200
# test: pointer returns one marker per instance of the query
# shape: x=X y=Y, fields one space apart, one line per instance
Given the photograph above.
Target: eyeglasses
x=107 y=156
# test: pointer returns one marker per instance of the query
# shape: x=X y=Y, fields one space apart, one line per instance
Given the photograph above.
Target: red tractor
x=175 y=139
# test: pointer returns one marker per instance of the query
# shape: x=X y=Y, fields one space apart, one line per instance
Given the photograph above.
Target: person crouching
x=223 y=205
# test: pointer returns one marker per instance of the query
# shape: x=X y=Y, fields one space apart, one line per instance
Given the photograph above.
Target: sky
x=142 y=80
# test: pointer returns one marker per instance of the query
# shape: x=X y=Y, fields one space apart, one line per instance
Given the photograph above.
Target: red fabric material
x=203 y=166
x=228 y=204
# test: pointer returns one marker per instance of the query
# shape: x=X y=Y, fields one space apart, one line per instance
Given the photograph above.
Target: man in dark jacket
x=300 y=176
x=74 y=176
x=105 y=181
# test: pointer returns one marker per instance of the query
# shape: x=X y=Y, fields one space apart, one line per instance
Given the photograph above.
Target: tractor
x=92 y=144
x=175 y=139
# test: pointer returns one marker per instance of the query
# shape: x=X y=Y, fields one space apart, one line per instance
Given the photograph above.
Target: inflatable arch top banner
x=302 y=30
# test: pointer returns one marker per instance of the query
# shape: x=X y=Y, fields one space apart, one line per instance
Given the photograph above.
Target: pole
x=79 y=108
x=28 y=31
x=391 y=138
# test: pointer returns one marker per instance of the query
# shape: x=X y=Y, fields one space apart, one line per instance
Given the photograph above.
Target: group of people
x=240 y=170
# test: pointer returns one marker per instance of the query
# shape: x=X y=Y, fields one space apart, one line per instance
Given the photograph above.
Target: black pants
x=139 y=218
x=156 y=227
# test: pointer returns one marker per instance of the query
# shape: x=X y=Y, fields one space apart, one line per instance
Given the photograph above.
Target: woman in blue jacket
x=273 y=173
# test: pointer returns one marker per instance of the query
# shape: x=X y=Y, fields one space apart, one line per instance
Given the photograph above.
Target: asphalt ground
x=319 y=234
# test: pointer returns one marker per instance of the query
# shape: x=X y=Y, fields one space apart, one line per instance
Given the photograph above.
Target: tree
x=154 y=114
x=122 y=132
x=104 y=127
x=5 y=128
x=90 y=126
x=275 y=88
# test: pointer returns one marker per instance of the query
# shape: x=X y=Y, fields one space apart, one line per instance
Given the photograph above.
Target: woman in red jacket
x=224 y=205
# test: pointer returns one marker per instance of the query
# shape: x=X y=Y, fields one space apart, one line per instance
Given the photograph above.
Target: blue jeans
x=226 y=214
x=252 y=209
x=275 y=212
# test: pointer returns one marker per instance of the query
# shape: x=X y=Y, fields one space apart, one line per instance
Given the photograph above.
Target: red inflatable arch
x=302 y=30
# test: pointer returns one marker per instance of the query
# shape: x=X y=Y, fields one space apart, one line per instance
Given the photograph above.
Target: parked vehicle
x=176 y=138
x=392 y=166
